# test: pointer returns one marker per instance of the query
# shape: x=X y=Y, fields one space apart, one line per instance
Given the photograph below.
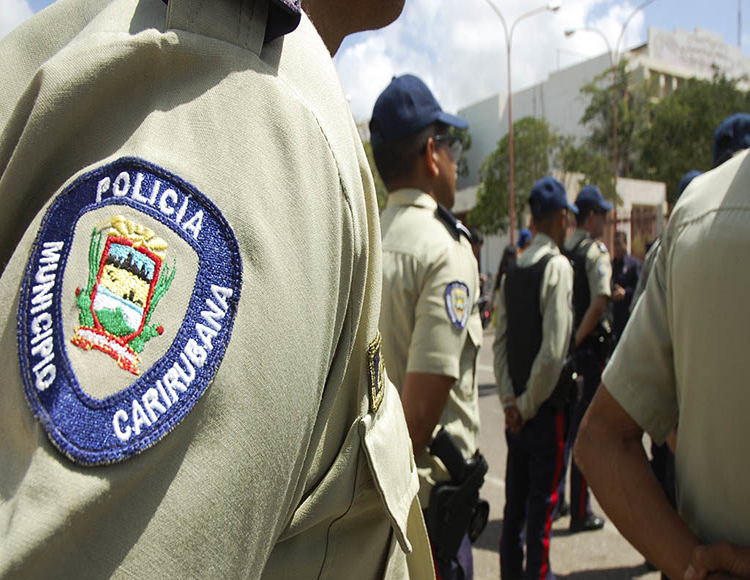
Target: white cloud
x=459 y=50
x=12 y=14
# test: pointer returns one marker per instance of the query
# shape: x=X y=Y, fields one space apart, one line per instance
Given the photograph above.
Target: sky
x=458 y=47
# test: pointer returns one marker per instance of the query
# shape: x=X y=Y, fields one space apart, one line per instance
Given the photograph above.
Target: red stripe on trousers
x=434 y=562
x=560 y=422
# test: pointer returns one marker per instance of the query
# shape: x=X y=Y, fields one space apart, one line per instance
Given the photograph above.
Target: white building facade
x=666 y=61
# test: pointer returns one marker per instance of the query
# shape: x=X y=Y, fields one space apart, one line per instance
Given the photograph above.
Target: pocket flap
x=389 y=453
x=476 y=332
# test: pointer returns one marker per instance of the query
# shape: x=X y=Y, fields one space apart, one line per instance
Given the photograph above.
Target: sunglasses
x=455 y=147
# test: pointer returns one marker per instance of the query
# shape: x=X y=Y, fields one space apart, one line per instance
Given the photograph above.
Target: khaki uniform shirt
x=249 y=430
x=598 y=265
x=680 y=360
x=557 y=323
x=429 y=317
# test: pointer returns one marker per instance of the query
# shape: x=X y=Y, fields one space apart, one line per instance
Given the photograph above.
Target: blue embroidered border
x=77 y=424
x=460 y=324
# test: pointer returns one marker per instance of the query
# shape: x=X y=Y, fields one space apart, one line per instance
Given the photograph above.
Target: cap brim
x=572 y=208
x=606 y=206
x=452 y=120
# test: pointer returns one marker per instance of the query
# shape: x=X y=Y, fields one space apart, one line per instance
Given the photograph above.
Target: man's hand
x=719 y=562
x=619 y=293
x=592 y=317
x=513 y=419
x=609 y=452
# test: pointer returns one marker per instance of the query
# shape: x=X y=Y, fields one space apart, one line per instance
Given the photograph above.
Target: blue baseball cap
x=686 y=179
x=591 y=196
x=732 y=135
x=405 y=107
x=548 y=195
x=524 y=238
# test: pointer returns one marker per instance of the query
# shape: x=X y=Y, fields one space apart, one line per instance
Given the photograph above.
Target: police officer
x=680 y=365
x=732 y=135
x=591 y=292
x=535 y=323
x=626 y=270
x=524 y=239
x=429 y=318
x=662 y=458
x=183 y=190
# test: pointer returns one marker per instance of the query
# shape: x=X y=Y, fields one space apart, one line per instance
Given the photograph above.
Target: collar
x=283 y=18
x=413 y=197
x=580 y=233
x=540 y=246
x=542 y=240
x=578 y=236
x=229 y=21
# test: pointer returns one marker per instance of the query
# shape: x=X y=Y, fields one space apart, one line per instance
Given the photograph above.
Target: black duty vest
x=524 y=339
x=581 y=290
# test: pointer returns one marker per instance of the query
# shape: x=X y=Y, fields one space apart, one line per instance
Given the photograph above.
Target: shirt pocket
x=474 y=327
x=387 y=446
x=470 y=356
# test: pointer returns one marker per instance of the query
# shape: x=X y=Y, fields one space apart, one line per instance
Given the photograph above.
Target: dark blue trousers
x=461 y=568
x=590 y=368
x=535 y=463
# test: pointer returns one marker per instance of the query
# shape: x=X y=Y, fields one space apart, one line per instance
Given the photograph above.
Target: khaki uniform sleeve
x=599 y=270
x=640 y=375
x=557 y=323
x=500 y=347
x=288 y=436
x=436 y=342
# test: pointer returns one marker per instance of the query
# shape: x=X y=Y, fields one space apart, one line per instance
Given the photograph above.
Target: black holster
x=455 y=508
x=569 y=388
x=601 y=342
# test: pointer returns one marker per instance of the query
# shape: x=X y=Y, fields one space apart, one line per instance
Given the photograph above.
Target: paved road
x=601 y=555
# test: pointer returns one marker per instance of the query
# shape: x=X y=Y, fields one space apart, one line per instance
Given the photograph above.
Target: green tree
x=596 y=168
x=534 y=147
x=633 y=104
x=680 y=137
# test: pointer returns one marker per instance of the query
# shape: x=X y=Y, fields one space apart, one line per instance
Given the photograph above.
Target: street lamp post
x=552 y=6
x=614 y=57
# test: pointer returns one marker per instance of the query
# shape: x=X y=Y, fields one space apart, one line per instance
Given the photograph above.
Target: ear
x=430 y=158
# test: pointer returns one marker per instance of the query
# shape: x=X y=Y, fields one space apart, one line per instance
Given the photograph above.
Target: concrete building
x=666 y=62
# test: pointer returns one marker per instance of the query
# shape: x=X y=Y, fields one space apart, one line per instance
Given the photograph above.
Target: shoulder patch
x=127 y=306
x=602 y=247
x=458 y=303
x=376 y=368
